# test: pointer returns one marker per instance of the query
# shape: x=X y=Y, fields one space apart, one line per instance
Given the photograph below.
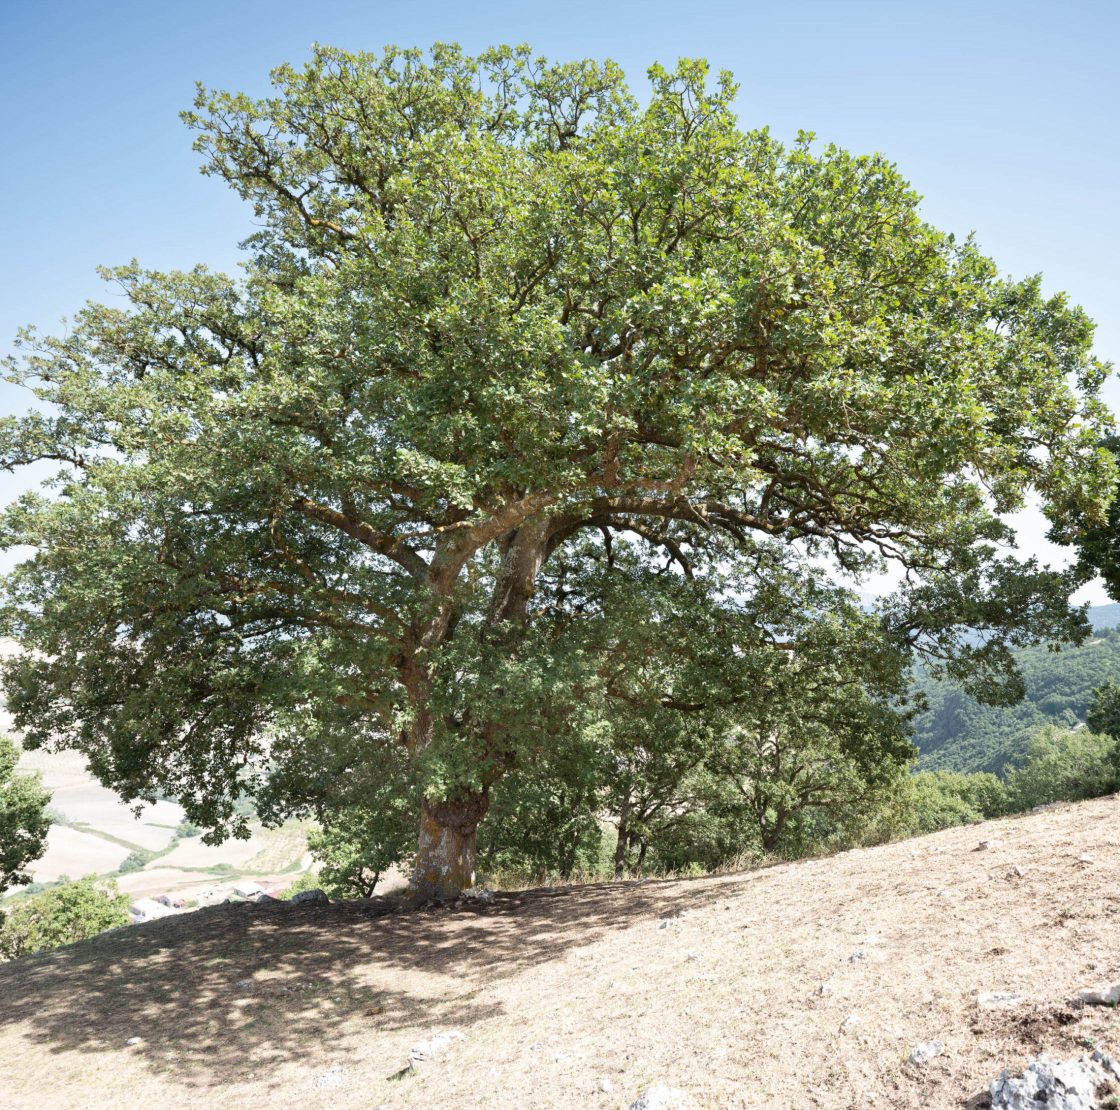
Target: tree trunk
x=636 y=870
x=622 y=842
x=445 y=853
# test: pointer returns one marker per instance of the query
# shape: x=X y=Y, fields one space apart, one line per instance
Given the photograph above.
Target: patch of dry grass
x=712 y=985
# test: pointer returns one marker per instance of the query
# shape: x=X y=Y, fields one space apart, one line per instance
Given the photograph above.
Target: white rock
x=333 y=1077
x=1086 y=858
x=477 y=894
x=1070 y=1085
x=606 y=1086
x=986 y=845
x=1107 y=1063
x=423 y=1051
x=994 y=1000
x=850 y=1021
x=310 y=898
x=133 y=1040
x=1019 y=872
x=871 y=938
x=662 y=1098
x=1100 y=996
x=926 y=1051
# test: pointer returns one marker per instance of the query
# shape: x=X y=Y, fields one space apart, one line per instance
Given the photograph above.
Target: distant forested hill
x=958 y=734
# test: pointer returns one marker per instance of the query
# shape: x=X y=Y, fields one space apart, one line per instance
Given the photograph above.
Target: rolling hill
x=959 y=734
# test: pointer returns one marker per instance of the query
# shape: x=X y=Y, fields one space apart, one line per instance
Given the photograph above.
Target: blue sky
x=1003 y=115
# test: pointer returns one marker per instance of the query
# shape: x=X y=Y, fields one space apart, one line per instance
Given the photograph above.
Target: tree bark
x=622 y=842
x=445 y=855
x=446 y=851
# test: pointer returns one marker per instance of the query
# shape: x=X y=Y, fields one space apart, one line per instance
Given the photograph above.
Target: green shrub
x=1063 y=765
x=309 y=880
x=136 y=861
x=942 y=799
x=62 y=915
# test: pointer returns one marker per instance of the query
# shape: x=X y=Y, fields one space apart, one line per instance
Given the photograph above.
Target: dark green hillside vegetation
x=959 y=734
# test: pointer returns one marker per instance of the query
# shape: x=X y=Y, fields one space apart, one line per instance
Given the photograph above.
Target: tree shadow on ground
x=233 y=991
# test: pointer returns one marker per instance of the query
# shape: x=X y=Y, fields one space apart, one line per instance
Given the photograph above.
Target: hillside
x=959 y=734
x=94 y=832
x=806 y=984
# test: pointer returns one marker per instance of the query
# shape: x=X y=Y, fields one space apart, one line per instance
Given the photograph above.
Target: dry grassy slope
x=558 y=990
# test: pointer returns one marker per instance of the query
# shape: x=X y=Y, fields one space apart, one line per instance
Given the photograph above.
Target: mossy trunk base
x=446 y=851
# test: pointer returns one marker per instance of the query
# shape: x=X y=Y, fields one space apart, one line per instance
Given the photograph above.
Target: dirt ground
x=711 y=985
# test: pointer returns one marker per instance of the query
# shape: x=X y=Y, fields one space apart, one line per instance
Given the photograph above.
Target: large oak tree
x=498 y=316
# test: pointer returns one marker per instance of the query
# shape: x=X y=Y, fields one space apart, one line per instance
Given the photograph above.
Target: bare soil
x=711 y=985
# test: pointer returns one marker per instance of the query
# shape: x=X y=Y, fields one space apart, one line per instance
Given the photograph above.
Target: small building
x=148 y=909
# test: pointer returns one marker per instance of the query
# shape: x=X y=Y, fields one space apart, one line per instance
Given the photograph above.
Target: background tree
x=498 y=312
x=1063 y=765
x=62 y=914
x=24 y=818
x=825 y=730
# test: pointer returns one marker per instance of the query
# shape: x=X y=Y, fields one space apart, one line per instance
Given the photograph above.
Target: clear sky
x=1002 y=114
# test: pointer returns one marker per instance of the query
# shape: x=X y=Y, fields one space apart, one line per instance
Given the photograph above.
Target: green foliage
x=544 y=823
x=24 y=818
x=941 y=799
x=358 y=844
x=309 y=880
x=1098 y=541
x=523 y=372
x=959 y=734
x=61 y=915
x=1063 y=765
x=136 y=860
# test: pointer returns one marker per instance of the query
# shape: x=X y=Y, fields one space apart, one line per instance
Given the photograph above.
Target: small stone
x=691 y=957
x=986 y=845
x=824 y=988
x=310 y=898
x=1106 y=1063
x=995 y=1000
x=1100 y=996
x=850 y=1021
x=926 y=1051
x=664 y=923
x=133 y=1040
x=332 y=1078
x=1086 y=858
x=606 y=1086
x=244 y=984
x=423 y=1051
x=477 y=894
x=1019 y=871
x=856 y=956
x=662 y=1098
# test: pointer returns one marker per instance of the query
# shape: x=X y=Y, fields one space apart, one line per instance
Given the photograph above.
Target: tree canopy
x=522 y=378
x=24 y=819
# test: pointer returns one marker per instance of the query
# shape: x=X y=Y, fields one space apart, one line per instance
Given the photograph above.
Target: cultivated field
x=95 y=832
